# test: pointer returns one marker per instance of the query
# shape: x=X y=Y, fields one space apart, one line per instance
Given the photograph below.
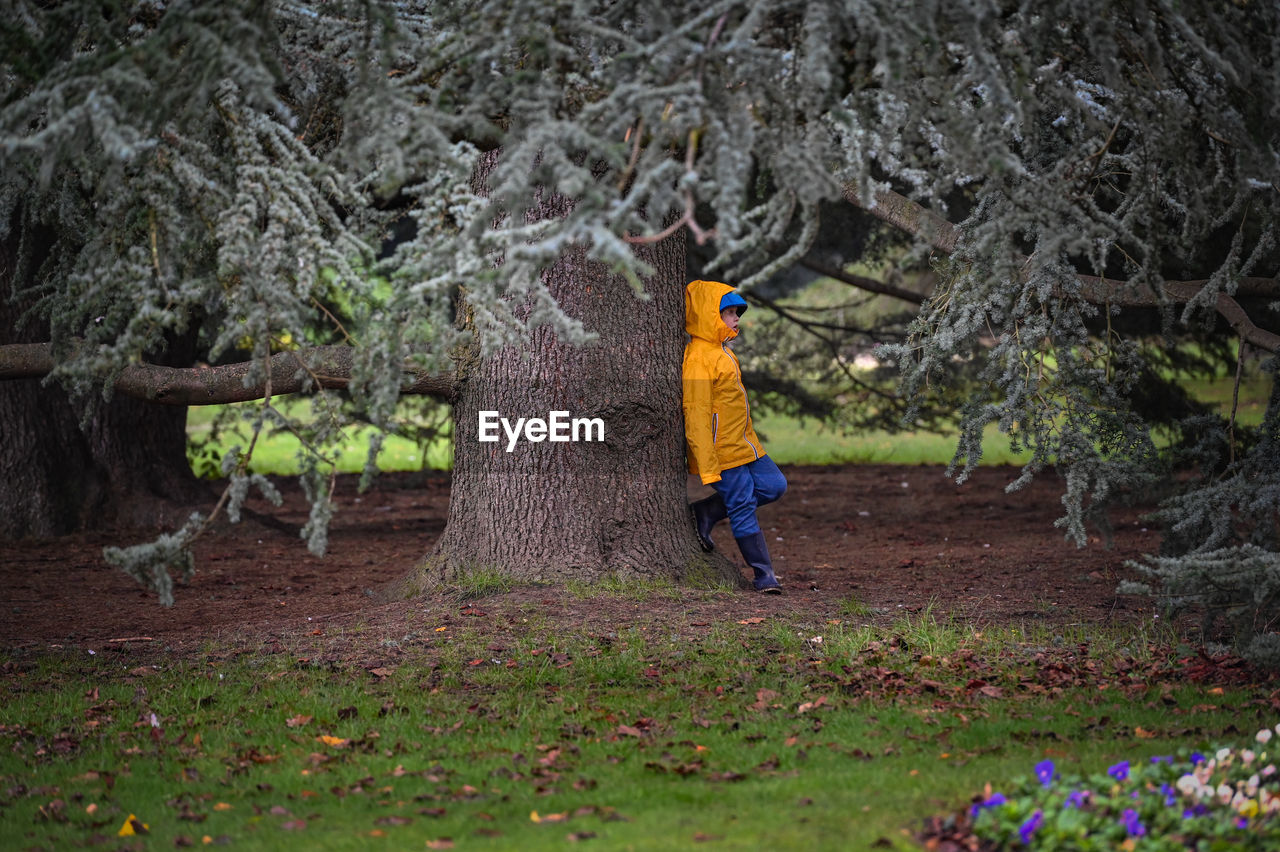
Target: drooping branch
x=288 y=372
x=942 y=235
x=831 y=343
x=906 y=215
x=862 y=282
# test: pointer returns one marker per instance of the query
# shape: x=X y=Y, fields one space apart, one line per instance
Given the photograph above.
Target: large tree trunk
x=550 y=512
x=126 y=466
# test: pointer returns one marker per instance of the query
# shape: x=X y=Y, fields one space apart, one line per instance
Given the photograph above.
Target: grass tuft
x=479 y=582
x=635 y=588
x=853 y=607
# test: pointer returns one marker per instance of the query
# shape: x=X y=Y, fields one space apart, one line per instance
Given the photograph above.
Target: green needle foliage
x=232 y=168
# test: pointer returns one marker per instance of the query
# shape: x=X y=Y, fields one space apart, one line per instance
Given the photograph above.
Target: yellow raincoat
x=717 y=417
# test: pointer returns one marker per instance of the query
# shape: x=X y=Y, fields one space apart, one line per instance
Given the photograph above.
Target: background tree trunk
x=551 y=512
x=126 y=466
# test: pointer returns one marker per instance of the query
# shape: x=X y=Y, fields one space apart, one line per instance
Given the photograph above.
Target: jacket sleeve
x=698 y=425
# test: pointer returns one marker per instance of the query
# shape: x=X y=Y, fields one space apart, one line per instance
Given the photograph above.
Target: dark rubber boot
x=706 y=514
x=756 y=552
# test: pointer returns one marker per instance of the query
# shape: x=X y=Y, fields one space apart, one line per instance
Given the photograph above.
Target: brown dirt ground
x=895 y=539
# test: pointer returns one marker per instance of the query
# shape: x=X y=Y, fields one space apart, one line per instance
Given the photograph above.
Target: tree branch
x=289 y=372
x=906 y=215
x=862 y=283
x=917 y=220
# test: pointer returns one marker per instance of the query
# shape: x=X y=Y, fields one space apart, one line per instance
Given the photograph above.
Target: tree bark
x=126 y=466
x=586 y=510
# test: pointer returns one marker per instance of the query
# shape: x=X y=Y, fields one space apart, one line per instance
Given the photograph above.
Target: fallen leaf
x=443 y=842
x=382 y=671
x=575 y=836
x=297 y=721
x=392 y=820
x=294 y=825
x=628 y=731
x=561 y=817
x=133 y=826
x=1143 y=734
x=763 y=697
x=753 y=620
x=332 y=741
x=222 y=806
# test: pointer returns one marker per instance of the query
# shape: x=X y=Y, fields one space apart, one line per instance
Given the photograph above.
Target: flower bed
x=1224 y=800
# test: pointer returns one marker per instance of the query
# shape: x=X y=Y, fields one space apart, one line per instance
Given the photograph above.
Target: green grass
x=614 y=587
x=481 y=583
x=792 y=441
x=278 y=452
x=778 y=734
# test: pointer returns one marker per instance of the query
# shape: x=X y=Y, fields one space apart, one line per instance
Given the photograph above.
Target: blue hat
x=733 y=300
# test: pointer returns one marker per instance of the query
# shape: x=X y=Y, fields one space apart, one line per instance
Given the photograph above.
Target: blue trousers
x=746 y=487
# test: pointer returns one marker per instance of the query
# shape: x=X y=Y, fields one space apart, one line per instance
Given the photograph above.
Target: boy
x=722 y=446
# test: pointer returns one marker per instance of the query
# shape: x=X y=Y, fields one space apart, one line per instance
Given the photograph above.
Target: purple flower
x=1242 y=822
x=1029 y=827
x=1045 y=772
x=1164 y=758
x=1132 y=823
x=996 y=799
x=1077 y=799
x=1170 y=795
x=1119 y=771
x=1196 y=758
x=1197 y=811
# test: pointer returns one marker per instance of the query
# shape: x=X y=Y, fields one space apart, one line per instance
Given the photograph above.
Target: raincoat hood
x=702 y=311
